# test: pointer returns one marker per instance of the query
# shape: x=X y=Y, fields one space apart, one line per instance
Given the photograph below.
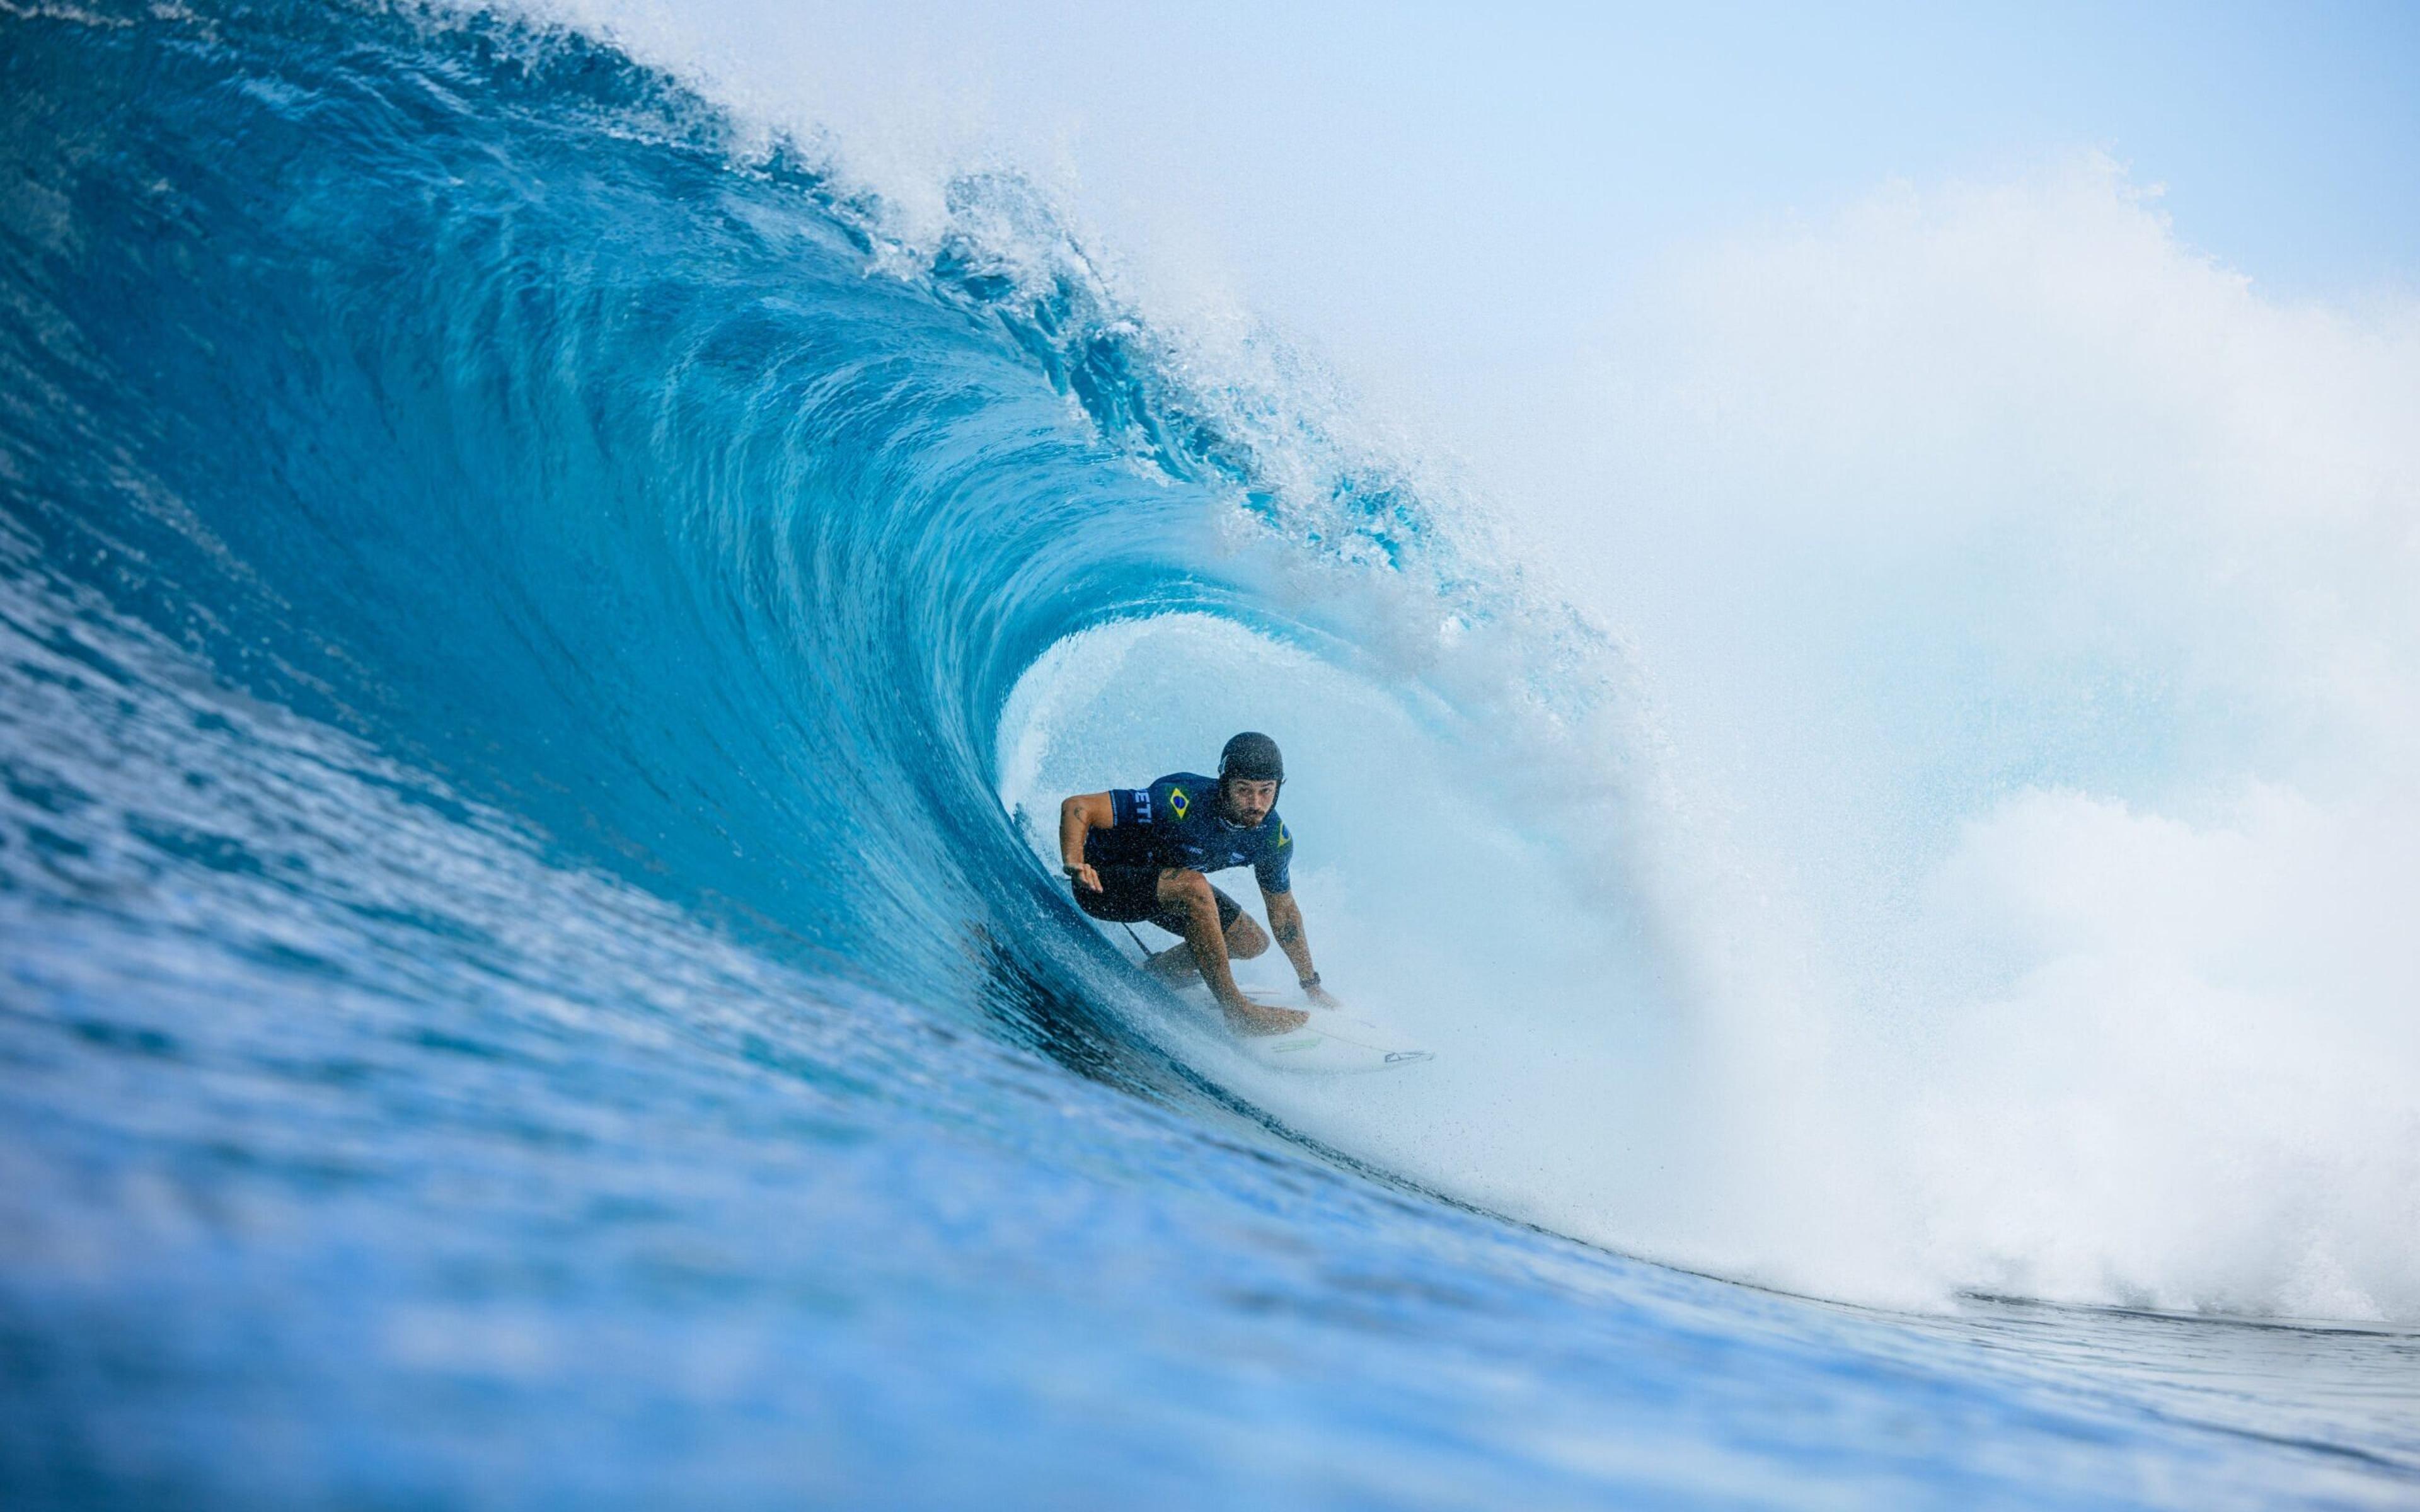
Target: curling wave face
x=532 y=438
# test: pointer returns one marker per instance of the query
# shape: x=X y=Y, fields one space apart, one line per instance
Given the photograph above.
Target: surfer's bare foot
x=1255 y=1018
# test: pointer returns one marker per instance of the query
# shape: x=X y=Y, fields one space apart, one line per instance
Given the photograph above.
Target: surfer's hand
x=1320 y=996
x=1082 y=875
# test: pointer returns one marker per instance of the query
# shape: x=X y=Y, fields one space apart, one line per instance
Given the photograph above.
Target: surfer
x=1144 y=854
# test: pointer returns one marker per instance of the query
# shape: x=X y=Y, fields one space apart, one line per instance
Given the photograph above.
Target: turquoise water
x=520 y=984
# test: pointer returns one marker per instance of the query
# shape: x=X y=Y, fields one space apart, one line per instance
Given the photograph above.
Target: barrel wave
x=535 y=440
x=536 y=633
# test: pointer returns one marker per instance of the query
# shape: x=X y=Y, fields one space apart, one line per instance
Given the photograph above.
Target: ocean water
x=542 y=628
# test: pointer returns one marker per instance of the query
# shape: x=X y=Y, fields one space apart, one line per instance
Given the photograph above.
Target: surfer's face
x=1249 y=803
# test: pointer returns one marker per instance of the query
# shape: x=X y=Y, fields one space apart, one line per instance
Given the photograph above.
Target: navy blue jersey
x=1175 y=822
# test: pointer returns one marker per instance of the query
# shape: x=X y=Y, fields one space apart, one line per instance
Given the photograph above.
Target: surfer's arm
x=1285 y=927
x=1079 y=817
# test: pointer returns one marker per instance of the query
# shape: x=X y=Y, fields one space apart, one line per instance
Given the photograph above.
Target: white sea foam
x=2008 y=889
x=2035 y=595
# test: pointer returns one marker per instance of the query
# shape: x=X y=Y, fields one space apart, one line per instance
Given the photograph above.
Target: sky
x=2282 y=137
x=1445 y=201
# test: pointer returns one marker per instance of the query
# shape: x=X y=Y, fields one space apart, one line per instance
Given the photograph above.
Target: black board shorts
x=1131 y=895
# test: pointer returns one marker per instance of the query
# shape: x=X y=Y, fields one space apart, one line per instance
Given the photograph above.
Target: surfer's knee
x=1189 y=891
x=1246 y=939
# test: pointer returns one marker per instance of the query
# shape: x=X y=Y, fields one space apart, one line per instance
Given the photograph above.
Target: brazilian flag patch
x=1177 y=802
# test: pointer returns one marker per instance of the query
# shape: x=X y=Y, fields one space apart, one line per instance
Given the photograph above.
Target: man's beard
x=1229 y=816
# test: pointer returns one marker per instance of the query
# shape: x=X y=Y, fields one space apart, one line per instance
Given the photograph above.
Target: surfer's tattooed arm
x=1285 y=927
x=1079 y=817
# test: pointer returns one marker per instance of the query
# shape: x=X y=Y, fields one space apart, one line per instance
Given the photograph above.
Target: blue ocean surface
x=519 y=983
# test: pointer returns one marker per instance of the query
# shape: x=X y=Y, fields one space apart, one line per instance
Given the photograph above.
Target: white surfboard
x=1333 y=1043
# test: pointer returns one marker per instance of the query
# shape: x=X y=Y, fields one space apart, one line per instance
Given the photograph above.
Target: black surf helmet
x=1251 y=757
